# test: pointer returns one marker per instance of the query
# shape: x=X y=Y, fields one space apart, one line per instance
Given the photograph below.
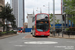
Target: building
x=2 y=3
x=25 y=25
x=17 y=6
x=30 y=16
x=64 y=15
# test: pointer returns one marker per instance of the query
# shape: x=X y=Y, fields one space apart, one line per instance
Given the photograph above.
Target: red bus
x=41 y=25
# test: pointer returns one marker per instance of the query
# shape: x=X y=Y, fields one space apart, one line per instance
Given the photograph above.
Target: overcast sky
x=37 y=4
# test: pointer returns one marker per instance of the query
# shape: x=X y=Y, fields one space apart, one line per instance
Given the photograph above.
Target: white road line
x=40 y=42
x=65 y=47
x=19 y=45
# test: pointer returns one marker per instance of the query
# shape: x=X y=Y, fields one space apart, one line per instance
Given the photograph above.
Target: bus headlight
x=36 y=33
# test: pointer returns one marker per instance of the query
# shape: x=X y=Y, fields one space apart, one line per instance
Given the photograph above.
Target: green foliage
x=70 y=9
x=56 y=20
x=3 y=33
x=6 y=13
x=8 y=32
x=67 y=29
x=51 y=16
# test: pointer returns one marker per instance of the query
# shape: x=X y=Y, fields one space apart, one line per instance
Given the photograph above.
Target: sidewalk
x=64 y=36
x=6 y=36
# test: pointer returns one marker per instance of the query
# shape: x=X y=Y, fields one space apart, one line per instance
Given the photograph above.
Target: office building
x=17 y=6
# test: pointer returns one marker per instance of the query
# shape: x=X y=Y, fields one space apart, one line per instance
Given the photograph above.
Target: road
x=24 y=41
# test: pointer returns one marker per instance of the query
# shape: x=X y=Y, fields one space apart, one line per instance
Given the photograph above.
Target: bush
x=72 y=28
x=70 y=31
x=3 y=33
x=58 y=30
x=11 y=32
x=7 y=33
x=67 y=29
x=0 y=34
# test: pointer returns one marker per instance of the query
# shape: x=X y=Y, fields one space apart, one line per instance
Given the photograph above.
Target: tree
x=51 y=16
x=56 y=20
x=0 y=24
x=6 y=13
x=70 y=9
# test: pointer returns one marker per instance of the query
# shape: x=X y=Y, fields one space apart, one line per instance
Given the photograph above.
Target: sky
x=31 y=5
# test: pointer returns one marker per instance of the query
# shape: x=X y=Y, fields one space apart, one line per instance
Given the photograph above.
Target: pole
x=40 y=10
x=5 y=24
x=62 y=15
x=23 y=13
x=54 y=16
x=48 y=7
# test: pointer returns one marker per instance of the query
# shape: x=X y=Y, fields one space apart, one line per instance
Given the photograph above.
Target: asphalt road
x=27 y=42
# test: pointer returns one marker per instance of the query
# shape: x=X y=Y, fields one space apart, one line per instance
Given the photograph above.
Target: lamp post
x=54 y=16
x=23 y=13
x=48 y=7
x=62 y=26
x=40 y=10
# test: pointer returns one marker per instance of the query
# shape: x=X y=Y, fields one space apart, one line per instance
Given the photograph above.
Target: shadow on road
x=41 y=36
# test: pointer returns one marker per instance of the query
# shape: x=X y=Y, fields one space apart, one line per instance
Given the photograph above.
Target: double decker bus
x=41 y=25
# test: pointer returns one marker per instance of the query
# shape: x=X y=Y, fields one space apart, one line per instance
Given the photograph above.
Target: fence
x=28 y=29
x=64 y=34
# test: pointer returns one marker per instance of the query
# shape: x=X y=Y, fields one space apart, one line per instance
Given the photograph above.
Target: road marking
x=40 y=42
x=19 y=45
x=65 y=47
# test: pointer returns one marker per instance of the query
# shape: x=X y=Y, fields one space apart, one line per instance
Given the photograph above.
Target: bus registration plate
x=42 y=35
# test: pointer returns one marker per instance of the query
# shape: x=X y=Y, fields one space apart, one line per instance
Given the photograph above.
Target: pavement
x=6 y=36
x=25 y=41
x=64 y=36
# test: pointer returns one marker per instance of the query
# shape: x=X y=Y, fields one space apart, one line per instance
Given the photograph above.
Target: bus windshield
x=42 y=16
x=42 y=27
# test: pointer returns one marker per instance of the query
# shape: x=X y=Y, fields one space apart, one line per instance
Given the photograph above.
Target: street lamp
x=40 y=10
x=54 y=16
x=62 y=26
x=23 y=13
x=48 y=7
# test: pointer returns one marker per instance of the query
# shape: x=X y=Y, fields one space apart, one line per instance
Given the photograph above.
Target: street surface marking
x=40 y=42
x=65 y=47
x=19 y=45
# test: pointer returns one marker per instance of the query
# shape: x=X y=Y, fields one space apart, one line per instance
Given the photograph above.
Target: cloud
x=7 y=1
x=30 y=4
x=34 y=4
